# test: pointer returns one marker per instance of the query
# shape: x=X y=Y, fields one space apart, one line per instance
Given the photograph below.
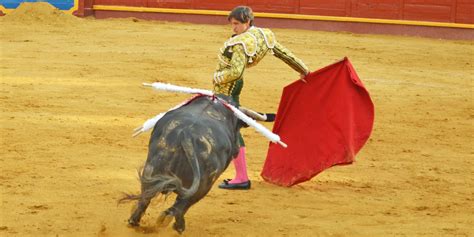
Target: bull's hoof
x=133 y=224
x=178 y=228
x=238 y=186
x=164 y=219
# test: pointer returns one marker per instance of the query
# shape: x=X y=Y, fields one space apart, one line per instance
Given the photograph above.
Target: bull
x=189 y=148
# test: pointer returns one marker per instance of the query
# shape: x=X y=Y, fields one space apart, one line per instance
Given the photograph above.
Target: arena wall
x=454 y=11
x=450 y=19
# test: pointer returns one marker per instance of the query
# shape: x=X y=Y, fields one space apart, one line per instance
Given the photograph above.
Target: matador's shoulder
x=251 y=39
x=268 y=36
x=247 y=40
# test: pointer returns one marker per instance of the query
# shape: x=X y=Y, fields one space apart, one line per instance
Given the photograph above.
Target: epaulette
x=247 y=40
x=269 y=37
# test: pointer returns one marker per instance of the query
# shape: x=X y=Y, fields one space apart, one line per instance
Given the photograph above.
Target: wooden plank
x=282 y=6
x=465 y=12
x=324 y=7
x=381 y=9
x=103 y=2
x=431 y=2
x=348 y=8
x=133 y=3
x=178 y=4
x=427 y=12
x=225 y=5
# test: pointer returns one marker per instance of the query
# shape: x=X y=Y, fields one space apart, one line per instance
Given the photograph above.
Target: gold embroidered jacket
x=244 y=51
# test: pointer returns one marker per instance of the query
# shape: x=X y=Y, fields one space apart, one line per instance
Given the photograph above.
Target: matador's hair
x=242 y=14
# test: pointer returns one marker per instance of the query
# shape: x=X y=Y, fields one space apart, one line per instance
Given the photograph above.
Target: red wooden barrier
x=454 y=11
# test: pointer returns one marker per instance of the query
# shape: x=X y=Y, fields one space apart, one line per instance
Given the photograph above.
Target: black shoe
x=240 y=186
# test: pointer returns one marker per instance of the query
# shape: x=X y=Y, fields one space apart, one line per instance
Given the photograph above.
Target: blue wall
x=60 y=4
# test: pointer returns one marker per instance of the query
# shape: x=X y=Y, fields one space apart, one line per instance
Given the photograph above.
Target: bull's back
x=209 y=126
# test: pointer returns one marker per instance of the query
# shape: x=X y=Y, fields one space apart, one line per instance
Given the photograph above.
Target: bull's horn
x=253 y=114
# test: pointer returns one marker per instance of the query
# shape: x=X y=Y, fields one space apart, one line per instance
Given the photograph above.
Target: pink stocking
x=240 y=168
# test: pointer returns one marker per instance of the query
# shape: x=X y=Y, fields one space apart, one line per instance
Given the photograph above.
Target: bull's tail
x=152 y=185
x=189 y=147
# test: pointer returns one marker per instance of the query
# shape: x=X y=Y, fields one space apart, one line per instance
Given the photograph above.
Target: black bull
x=189 y=149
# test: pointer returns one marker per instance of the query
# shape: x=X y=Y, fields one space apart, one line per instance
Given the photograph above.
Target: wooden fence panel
x=225 y=5
x=381 y=9
x=325 y=7
x=180 y=4
x=283 y=6
x=429 y=10
x=464 y=11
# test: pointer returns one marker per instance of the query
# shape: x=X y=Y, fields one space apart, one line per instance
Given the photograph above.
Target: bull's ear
x=253 y=114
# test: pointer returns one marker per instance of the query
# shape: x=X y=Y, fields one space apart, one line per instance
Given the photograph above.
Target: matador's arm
x=289 y=58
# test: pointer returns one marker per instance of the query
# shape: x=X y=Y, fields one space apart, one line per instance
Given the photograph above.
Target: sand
x=71 y=95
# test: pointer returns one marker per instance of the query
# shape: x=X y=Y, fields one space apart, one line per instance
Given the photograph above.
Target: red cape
x=325 y=122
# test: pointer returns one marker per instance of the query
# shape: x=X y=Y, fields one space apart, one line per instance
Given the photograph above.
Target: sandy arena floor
x=71 y=95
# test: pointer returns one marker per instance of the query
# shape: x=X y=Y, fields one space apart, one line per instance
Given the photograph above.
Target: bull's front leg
x=134 y=219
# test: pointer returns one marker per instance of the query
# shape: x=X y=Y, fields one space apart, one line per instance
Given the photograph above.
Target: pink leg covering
x=240 y=168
